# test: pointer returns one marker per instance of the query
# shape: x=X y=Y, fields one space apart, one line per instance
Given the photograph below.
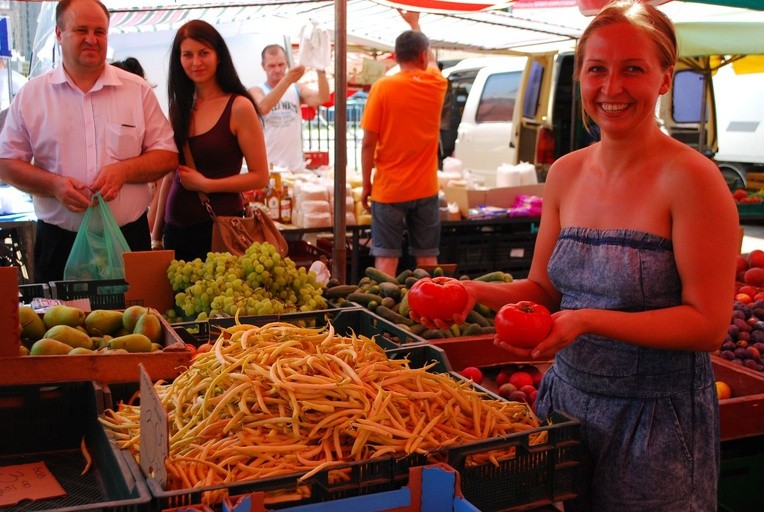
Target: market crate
x=102 y=293
x=532 y=476
x=345 y=321
x=750 y=209
x=47 y=424
x=29 y=292
x=742 y=415
x=431 y=488
x=164 y=364
x=537 y=475
x=741 y=473
x=478 y=351
x=303 y=254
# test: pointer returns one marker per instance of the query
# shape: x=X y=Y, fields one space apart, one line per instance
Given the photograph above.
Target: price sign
x=28 y=482
x=154 y=431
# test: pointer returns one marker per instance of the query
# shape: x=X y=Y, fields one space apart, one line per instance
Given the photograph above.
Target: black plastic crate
x=29 y=292
x=304 y=254
x=103 y=293
x=537 y=475
x=742 y=466
x=345 y=321
x=47 y=423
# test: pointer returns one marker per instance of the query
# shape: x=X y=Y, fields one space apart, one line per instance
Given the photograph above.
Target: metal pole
x=339 y=252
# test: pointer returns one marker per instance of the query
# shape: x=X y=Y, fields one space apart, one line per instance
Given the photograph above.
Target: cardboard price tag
x=28 y=482
x=154 y=431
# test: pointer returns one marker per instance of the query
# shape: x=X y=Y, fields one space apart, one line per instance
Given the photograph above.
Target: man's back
x=404 y=110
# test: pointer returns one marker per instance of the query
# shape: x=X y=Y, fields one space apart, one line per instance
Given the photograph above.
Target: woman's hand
x=458 y=319
x=191 y=179
x=567 y=325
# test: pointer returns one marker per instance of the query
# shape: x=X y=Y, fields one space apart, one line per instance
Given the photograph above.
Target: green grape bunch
x=260 y=282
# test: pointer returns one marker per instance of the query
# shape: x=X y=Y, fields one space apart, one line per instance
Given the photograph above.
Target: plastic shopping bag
x=98 y=247
x=315 y=49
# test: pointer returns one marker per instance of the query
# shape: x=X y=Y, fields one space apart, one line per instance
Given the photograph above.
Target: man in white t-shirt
x=280 y=99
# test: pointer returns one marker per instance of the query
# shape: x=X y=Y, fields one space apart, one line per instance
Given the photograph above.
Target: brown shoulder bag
x=235 y=234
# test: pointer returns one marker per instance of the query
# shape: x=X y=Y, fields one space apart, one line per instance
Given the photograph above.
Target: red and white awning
x=445 y=5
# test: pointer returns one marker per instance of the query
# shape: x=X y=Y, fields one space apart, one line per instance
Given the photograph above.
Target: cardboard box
x=742 y=415
x=146 y=276
x=501 y=197
x=9 y=311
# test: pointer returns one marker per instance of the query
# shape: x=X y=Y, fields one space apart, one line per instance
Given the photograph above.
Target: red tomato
x=438 y=298
x=523 y=324
x=520 y=379
x=472 y=373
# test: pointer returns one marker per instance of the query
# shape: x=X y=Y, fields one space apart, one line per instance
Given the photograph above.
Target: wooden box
x=742 y=415
x=164 y=364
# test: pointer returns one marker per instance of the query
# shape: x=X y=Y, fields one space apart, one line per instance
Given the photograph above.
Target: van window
x=688 y=94
x=535 y=78
x=497 y=103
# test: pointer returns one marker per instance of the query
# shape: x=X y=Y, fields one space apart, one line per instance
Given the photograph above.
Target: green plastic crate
x=47 y=423
x=349 y=320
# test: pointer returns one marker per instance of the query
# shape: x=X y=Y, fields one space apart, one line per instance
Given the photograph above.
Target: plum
x=752 y=352
x=729 y=345
x=742 y=325
x=740 y=353
x=727 y=354
x=750 y=363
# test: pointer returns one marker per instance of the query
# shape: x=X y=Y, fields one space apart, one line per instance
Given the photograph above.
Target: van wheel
x=733 y=175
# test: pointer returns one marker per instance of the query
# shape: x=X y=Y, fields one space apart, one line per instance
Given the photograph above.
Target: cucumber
x=332 y=282
x=390 y=290
x=476 y=318
x=363 y=298
x=432 y=334
x=391 y=316
x=488 y=330
x=341 y=290
x=496 y=276
x=410 y=281
x=403 y=307
x=388 y=302
x=403 y=275
x=379 y=276
x=417 y=329
x=419 y=273
x=484 y=310
x=472 y=330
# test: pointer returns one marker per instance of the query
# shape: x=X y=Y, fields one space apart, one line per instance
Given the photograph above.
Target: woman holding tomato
x=639 y=277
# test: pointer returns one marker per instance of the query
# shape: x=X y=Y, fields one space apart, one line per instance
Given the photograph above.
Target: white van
x=477 y=115
x=513 y=109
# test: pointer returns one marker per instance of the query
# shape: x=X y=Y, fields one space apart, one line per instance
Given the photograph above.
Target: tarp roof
x=702 y=28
